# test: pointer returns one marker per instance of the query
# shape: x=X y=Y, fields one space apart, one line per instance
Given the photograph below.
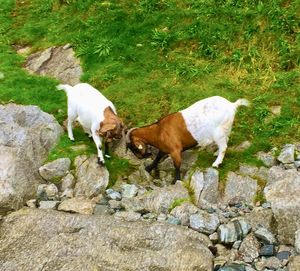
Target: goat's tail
x=66 y=88
x=240 y=102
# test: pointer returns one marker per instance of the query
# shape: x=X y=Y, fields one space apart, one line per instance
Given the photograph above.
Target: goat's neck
x=148 y=134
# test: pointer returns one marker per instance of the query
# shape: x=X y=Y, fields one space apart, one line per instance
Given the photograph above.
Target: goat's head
x=136 y=145
x=112 y=130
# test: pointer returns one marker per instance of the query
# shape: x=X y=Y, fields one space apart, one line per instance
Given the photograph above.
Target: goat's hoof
x=215 y=165
x=175 y=181
x=101 y=163
x=72 y=138
x=148 y=169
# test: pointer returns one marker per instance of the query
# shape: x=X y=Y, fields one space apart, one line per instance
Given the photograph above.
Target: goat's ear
x=105 y=127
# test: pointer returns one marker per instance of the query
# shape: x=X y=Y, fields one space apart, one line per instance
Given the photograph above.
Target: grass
x=154 y=57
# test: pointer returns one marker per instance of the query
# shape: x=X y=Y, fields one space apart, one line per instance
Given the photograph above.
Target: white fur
x=210 y=121
x=87 y=105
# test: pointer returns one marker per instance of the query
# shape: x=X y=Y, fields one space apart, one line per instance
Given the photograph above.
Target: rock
x=233 y=267
x=97 y=243
x=173 y=220
x=239 y=186
x=261 y=217
x=144 y=175
x=204 y=222
x=92 y=179
x=48 y=204
x=275 y=110
x=119 y=149
x=184 y=211
x=249 y=249
x=111 y=194
x=267 y=250
x=269 y=263
x=265 y=236
x=161 y=217
x=242 y=147
x=128 y=216
x=233 y=231
x=267 y=158
x=283 y=255
x=77 y=205
x=189 y=157
x=287 y=154
x=26 y=136
x=159 y=200
x=285 y=202
x=254 y=172
x=205 y=186
x=129 y=190
x=277 y=173
x=133 y=204
x=55 y=170
x=297 y=241
x=57 y=62
x=68 y=193
x=115 y=204
x=102 y=210
x=213 y=237
x=47 y=192
x=152 y=216
x=219 y=262
x=67 y=182
x=237 y=244
x=197 y=184
x=294 y=264
x=31 y=203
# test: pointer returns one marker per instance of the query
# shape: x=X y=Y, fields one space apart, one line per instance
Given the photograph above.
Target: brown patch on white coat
x=170 y=135
x=111 y=127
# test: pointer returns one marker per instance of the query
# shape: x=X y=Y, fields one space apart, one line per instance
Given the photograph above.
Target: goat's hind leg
x=71 y=118
x=222 y=146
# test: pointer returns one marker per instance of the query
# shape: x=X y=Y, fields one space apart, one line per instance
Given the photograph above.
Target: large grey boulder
x=58 y=62
x=287 y=154
x=285 y=203
x=62 y=241
x=158 y=200
x=205 y=187
x=92 y=179
x=242 y=187
x=26 y=136
x=55 y=170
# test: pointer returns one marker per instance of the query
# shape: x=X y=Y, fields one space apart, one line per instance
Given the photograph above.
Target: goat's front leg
x=98 y=143
x=176 y=156
x=155 y=162
x=106 y=152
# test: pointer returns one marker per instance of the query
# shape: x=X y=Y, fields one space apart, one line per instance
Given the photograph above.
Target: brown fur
x=169 y=135
x=112 y=126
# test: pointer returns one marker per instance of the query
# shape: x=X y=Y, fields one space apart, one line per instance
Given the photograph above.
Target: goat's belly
x=201 y=133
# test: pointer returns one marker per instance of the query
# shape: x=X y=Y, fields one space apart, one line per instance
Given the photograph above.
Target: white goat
x=95 y=113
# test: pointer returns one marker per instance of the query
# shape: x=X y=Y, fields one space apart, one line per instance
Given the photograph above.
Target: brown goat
x=205 y=122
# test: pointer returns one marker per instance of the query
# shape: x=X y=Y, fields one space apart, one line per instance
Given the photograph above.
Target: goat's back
x=209 y=117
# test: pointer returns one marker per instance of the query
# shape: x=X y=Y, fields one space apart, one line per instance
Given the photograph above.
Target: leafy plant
x=103 y=49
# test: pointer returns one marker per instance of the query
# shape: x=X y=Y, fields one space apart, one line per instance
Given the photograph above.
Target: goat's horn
x=128 y=135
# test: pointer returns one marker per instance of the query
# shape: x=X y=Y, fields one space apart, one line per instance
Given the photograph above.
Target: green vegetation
x=153 y=57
